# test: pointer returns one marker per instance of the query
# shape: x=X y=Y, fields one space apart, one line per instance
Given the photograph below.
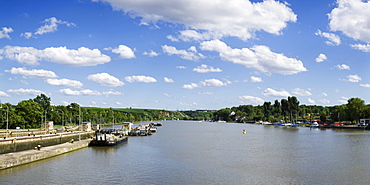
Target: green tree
x=267 y=110
x=73 y=113
x=222 y=114
x=293 y=105
x=9 y=116
x=277 y=110
x=44 y=102
x=30 y=113
x=356 y=109
x=284 y=108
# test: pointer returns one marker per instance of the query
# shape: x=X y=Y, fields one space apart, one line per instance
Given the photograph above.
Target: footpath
x=9 y=160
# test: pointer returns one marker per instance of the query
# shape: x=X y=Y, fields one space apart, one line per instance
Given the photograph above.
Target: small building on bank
x=86 y=126
x=48 y=125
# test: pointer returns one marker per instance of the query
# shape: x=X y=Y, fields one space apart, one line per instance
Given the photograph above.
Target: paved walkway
x=18 y=158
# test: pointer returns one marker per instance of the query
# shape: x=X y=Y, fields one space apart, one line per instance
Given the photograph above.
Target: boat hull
x=108 y=143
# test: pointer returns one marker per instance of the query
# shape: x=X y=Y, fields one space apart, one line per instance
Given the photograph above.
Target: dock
x=9 y=160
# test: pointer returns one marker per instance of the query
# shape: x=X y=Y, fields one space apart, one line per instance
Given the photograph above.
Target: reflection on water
x=212 y=153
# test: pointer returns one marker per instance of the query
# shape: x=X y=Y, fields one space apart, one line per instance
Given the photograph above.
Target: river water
x=212 y=153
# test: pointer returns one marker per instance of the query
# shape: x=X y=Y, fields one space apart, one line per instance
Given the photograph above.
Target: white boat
x=153 y=129
x=288 y=124
x=108 y=137
x=265 y=123
x=314 y=125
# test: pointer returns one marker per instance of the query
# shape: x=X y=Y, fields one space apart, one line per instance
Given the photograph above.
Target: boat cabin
x=364 y=122
x=126 y=127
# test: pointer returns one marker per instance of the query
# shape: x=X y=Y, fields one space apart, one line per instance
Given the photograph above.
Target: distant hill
x=145 y=114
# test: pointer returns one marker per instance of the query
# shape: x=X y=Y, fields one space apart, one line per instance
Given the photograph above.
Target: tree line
x=33 y=113
x=289 y=110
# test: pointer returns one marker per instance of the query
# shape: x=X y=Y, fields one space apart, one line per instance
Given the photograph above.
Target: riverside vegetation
x=33 y=112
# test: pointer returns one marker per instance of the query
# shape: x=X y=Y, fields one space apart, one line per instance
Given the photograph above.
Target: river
x=185 y=152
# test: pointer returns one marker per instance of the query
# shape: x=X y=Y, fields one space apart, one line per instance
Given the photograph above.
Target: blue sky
x=184 y=54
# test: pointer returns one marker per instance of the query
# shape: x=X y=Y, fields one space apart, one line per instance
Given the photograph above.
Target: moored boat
x=108 y=137
x=153 y=129
x=314 y=125
x=158 y=124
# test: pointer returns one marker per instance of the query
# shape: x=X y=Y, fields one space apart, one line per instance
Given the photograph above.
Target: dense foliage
x=32 y=113
x=290 y=110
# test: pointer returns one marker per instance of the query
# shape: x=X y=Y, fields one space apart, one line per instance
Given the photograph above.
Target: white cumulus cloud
x=85 y=92
x=212 y=83
x=321 y=58
x=353 y=78
x=51 y=25
x=180 y=67
x=4 y=94
x=189 y=54
x=258 y=57
x=206 y=69
x=365 y=85
x=33 y=73
x=4 y=32
x=64 y=82
x=334 y=40
x=361 y=47
x=22 y=91
x=256 y=79
x=352 y=18
x=301 y=92
x=311 y=101
x=151 y=53
x=274 y=93
x=111 y=92
x=190 y=86
x=26 y=35
x=238 y=18
x=168 y=80
x=140 y=78
x=61 y=55
x=123 y=51
x=206 y=83
x=105 y=79
x=342 y=67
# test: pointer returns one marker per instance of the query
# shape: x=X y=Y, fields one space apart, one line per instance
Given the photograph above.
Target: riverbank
x=18 y=158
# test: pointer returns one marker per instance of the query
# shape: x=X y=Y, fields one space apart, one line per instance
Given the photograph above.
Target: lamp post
x=45 y=125
x=7 y=120
x=79 y=123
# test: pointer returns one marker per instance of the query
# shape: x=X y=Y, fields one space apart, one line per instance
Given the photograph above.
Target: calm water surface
x=212 y=153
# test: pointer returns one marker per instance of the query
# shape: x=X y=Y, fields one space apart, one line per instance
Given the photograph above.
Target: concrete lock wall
x=21 y=133
x=20 y=145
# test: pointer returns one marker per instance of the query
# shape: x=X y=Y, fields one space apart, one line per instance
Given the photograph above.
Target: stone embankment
x=9 y=160
x=16 y=144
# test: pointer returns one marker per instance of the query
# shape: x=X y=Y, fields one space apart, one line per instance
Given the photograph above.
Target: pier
x=9 y=160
